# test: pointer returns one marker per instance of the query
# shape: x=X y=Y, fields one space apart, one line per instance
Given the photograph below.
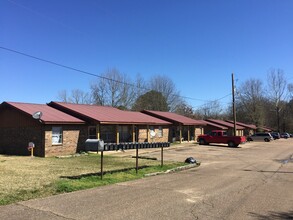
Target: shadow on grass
x=99 y=173
x=273 y=215
x=220 y=145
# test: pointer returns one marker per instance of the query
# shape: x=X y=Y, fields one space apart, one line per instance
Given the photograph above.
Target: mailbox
x=94 y=145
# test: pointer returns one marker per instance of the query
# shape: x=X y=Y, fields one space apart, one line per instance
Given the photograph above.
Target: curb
x=186 y=167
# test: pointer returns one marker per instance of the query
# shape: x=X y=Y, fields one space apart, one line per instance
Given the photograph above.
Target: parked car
x=285 y=135
x=265 y=136
x=276 y=135
x=220 y=137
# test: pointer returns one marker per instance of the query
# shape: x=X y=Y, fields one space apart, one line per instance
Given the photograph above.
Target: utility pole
x=234 y=108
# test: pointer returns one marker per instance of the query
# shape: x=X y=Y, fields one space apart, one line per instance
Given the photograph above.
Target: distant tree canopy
x=184 y=109
x=263 y=103
x=166 y=86
x=76 y=96
x=151 y=100
x=113 y=89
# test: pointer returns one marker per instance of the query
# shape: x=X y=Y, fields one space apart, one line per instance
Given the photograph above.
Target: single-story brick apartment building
x=64 y=128
x=56 y=133
x=249 y=129
x=182 y=128
x=114 y=125
x=239 y=129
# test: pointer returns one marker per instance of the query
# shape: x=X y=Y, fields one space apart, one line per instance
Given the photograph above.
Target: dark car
x=285 y=135
x=276 y=135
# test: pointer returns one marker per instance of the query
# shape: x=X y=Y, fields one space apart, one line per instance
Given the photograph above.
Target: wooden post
x=234 y=106
x=117 y=134
x=102 y=161
x=148 y=131
x=188 y=133
x=162 y=157
x=136 y=161
x=180 y=133
x=98 y=131
x=194 y=132
x=133 y=133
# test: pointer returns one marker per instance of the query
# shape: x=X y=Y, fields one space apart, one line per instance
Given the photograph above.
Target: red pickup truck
x=220 y=137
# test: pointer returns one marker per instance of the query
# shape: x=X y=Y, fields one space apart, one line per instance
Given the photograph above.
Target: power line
x=64 y=66
x=78 y=70
x=95 y=75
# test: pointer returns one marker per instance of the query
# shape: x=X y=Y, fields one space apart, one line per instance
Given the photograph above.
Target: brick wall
x=15 y=140
x=198 y=131
x=142 y=134
x=17 y=129
x=73 y=140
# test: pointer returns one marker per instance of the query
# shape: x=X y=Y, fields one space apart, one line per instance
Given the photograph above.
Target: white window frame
x=57 y=135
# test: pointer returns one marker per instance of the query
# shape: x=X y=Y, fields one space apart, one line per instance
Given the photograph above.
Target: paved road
x=251 y=182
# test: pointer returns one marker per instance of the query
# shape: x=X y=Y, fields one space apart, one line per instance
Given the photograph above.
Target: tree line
x=116 y=89
x=260 y=102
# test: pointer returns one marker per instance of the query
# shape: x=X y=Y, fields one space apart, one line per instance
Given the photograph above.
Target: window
x=152 y=132
x=92 y=132
x=214 y=134
x=160 y=131
x=57 y=135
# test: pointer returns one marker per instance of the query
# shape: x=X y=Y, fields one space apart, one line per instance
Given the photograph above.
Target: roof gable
x=107 y=114
x=216 y=125
x=49 y=114
x=224 y=123
x=243 y=124
x=173 y=117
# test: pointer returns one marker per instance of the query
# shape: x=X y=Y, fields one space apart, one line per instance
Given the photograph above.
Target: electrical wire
x=96 y=75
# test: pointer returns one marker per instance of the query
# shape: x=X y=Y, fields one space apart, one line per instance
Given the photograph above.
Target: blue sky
x=198 y=44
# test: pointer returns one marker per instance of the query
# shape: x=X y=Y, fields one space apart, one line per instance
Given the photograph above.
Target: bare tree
x=140 y=86
x=277 y=92
x=212 y=109
x=250 y=101
x=185 y=109
x=77 y=96
x=113 y=89
x=98 y=92
x=62 y=96
x=166 y=86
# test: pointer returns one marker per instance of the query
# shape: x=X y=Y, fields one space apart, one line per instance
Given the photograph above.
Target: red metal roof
x=224 y=123
x=49 y=114
x=243 y=124
x=265 y=128
x=107 y=114
x=215 y=125
x=173 y=117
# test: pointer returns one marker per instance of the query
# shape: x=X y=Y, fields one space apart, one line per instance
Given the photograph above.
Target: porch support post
x=133 y=133
x=148 y=131
x=194 y=132
x=117 y=134
x=98 y=131
x=188 y=133
x=180 y=133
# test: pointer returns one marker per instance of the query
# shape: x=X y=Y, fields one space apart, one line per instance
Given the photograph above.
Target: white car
x=265 y=136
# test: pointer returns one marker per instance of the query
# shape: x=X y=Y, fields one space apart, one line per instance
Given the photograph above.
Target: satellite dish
x=37 y=115
x=152 y=133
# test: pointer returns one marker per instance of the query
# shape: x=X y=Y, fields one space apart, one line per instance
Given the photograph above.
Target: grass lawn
x=24 y=178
